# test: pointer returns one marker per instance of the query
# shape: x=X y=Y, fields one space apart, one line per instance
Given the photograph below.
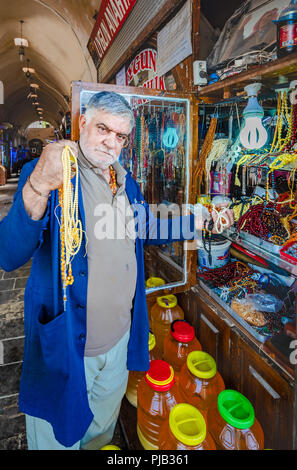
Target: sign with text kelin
x=110 y=19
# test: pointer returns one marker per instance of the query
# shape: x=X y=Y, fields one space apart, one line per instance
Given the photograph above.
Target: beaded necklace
x=293 y=127
x=200 y=172
x=231 y=272
x=113 y=180
x=70 y=226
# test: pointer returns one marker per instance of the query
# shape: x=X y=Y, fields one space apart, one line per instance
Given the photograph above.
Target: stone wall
x=12 y=421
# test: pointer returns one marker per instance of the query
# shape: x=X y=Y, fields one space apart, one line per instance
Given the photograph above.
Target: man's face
x=102 y=138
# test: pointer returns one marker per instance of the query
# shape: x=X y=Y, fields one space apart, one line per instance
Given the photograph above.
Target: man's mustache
x=110 y=153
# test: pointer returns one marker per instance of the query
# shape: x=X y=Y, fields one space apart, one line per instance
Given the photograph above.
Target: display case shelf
x=263 y=249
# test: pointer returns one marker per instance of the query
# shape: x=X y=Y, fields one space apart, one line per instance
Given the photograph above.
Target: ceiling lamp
x=32 y=95
x=34 y=85
x=39 y=109
x=35 y=103
x=253 y=135
x=21 y=43
x=28 y=70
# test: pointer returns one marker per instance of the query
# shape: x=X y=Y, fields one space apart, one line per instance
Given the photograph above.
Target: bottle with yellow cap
x=135 y=376
x=163 y=313
x=185 y=430
x=157 y=394
x=199 y=382
x=150 y=301
x=110 y=447
x=233 y=425
x=179 y=342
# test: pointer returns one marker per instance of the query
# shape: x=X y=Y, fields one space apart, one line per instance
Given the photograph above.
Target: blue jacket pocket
x=54 y=341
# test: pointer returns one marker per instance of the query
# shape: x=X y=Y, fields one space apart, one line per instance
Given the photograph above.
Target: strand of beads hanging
x=70 y=226
x=113 y=180
x=292 y=140
x=281 y=107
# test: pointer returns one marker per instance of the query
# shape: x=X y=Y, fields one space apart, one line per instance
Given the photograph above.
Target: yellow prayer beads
x=71 y=227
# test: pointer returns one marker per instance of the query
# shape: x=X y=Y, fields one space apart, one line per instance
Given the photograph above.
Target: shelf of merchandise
x=253 y=244
x=271 y=74
x=268 y=74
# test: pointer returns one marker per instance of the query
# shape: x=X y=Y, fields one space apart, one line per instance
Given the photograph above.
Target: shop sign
x=121 y=77
x=174 y=41
x=142 y=71
x=111 y=17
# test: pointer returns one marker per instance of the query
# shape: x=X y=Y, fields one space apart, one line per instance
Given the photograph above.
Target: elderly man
x=76 y=360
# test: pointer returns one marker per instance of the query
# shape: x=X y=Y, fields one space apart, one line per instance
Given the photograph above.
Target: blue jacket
x=53 y=385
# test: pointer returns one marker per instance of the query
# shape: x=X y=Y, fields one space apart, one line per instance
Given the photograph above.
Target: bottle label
x=288 y=35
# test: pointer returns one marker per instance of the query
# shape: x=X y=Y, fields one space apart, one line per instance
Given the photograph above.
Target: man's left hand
x=227 y=218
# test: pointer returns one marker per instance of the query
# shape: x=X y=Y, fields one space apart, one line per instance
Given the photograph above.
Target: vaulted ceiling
x=57 y=32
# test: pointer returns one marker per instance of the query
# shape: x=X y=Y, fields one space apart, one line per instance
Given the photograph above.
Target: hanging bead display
x=156 y=154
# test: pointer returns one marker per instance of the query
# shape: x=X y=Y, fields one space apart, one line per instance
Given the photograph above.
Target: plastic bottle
x=135 y=376
x=199 y=382
x=163 y=313
x=110 y=447
x=150 y=283
x=157 y=394
x=179 y=342
x=233 y=425
x=185 y=430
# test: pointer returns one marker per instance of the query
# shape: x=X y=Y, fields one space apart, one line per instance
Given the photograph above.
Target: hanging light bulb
x=253 y=135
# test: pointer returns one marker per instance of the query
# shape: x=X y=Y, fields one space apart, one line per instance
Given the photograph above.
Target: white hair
x=112 y=103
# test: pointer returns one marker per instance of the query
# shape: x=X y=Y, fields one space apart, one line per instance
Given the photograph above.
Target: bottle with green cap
x=157 y=394
x=150 y=283
x=179 y=342
x=163 y=313
x=136 y=376
x=233 y=425
x=110 y=447
x=185 y=430
x=200 y=383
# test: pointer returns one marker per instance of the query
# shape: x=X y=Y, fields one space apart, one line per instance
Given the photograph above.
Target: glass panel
x=157 y=156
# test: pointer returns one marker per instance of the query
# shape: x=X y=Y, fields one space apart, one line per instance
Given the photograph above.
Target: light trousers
x=106 y=379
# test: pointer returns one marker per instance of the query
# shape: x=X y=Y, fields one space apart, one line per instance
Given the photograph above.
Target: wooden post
x=196 y=29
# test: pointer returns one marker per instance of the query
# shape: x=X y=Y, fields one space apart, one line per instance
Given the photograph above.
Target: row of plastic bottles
x=181 y=401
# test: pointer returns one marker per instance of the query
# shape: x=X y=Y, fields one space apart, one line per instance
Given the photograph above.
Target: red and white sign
x=111 y=17
x=142 y=71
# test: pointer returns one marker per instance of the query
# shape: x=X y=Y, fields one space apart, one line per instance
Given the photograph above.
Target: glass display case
x=159 y=155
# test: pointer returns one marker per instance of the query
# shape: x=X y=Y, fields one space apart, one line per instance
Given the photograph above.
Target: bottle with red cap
x=199 y=381
x=157 y=394
x=179 y=342
x=185 y=430
x=136 y=376
x=233 y=425
x=163 y=313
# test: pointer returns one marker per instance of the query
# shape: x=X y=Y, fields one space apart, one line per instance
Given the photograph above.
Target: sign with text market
x=110 y=19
